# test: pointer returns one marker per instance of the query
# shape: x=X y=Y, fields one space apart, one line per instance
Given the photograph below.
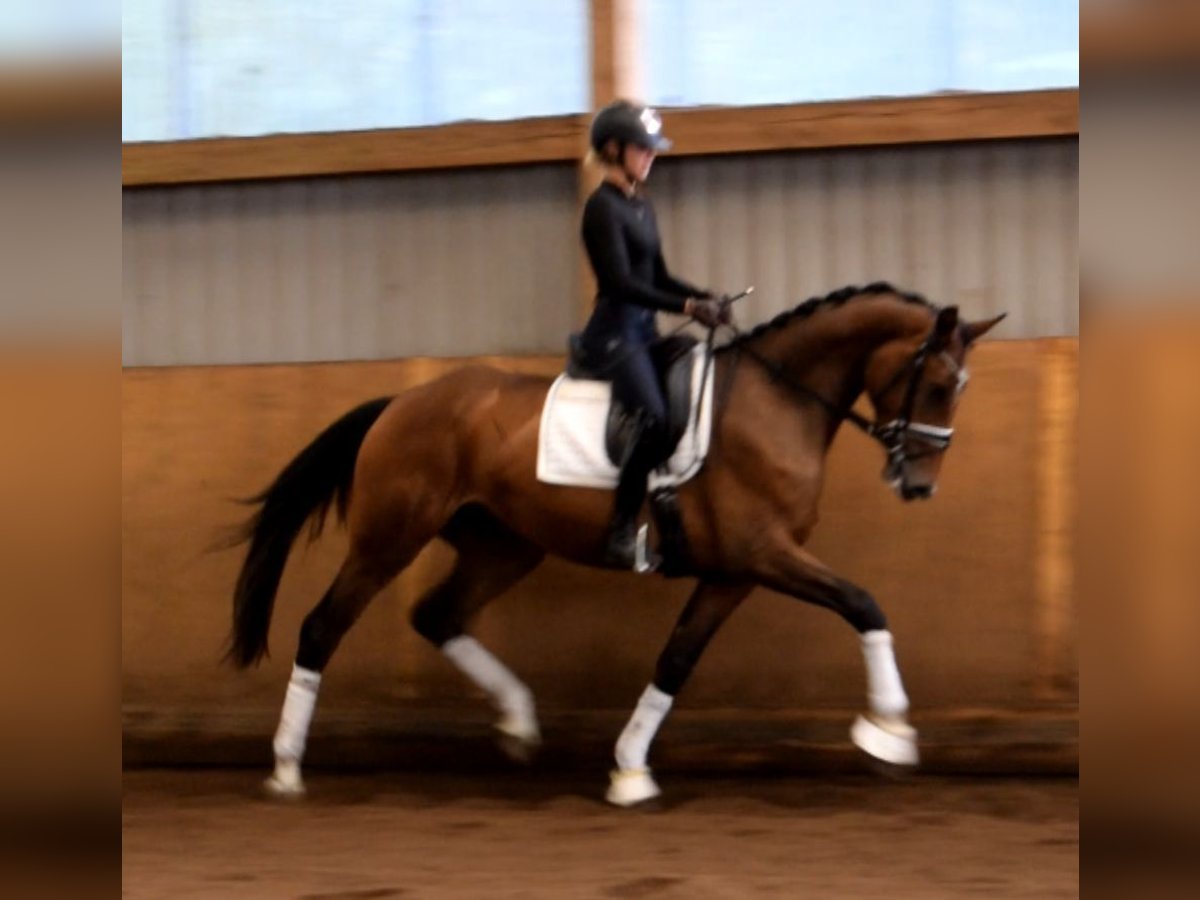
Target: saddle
x=673 y=361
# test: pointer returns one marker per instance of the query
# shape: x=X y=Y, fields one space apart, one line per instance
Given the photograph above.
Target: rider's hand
x=707 y=312
x=726 y=303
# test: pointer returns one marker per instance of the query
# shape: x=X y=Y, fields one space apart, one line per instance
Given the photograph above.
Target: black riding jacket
x=623 y=245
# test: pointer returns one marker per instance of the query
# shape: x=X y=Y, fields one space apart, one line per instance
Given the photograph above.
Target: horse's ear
x=973 y=331
x=947 y=322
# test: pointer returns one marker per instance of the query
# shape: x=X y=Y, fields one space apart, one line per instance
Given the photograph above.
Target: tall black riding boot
x=672 y=539
x=621 y=550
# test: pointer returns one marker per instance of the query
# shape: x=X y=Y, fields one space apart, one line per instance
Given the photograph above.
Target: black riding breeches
x=636 y=385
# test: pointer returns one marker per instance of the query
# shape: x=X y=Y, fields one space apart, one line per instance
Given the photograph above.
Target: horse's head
x=915 y=383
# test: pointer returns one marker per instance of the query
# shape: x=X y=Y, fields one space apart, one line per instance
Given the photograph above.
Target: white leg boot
x=884 y=732
x=518 y=724
x=292 y=734
x=631 y=782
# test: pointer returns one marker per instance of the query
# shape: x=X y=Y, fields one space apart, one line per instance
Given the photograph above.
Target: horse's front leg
x=884 y=732
x=706 y=610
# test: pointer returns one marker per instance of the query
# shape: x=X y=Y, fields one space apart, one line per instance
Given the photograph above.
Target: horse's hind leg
x=362 y=575
x=491 y=559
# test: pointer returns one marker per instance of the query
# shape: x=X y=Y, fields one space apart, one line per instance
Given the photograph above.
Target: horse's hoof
x=519 y=736
x=891 y=741
x=888 y=770
x=285 y=782
x=517 y=748
x=635 y=787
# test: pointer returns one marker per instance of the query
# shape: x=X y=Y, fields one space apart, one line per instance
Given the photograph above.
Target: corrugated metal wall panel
x=988 y=226
x=478 y=262
x=355 y=268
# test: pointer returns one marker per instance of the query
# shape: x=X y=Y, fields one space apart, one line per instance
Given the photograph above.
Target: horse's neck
x=828 y=351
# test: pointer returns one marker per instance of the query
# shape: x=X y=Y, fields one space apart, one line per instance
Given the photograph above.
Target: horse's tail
x=306 y=487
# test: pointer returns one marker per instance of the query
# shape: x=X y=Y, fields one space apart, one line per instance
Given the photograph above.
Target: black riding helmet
x=627 y=123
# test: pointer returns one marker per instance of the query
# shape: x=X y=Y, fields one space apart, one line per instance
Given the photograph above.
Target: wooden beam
x=1140 y=36
x=616 y=42
x=461 y=145
x=749 y=129
x=35 y=96
x=615 y=71
x=862 y=123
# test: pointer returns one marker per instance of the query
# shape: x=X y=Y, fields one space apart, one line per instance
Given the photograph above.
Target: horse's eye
x=938 y=394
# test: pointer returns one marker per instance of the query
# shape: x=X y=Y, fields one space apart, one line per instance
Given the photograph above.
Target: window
x=709 y=52
x=57 y=30
x=207 y=68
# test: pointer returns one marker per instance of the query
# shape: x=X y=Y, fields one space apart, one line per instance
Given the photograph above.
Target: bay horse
x=454 y=458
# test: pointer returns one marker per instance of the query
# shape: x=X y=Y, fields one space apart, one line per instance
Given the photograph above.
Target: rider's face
x=638 y=161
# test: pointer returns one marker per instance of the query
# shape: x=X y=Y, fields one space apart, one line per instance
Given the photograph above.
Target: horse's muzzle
x=917 y=491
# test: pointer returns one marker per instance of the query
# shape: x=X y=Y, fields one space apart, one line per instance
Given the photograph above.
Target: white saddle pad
x=571 y=447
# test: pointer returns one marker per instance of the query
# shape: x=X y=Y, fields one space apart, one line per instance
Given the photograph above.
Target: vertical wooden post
x=616 y=70
x=617 y=58
x=1057 y=406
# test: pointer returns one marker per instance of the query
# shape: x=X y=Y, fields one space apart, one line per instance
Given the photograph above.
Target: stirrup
x=673 y=543
x=638 y=558
x=645 y=560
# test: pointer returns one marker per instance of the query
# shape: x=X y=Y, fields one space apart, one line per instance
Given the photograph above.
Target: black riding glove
x=707 y=312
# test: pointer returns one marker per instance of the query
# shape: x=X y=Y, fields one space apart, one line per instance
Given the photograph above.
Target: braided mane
x=834 y=299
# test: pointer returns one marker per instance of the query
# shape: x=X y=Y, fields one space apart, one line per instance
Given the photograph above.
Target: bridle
x=895 y=434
